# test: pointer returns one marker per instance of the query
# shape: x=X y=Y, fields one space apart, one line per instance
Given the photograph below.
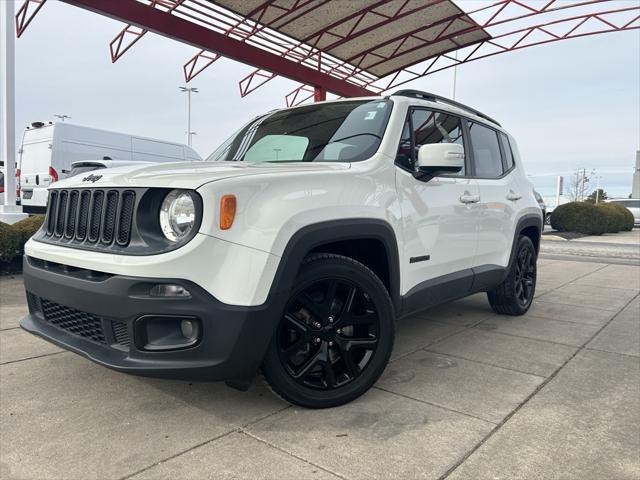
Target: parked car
x=293 y=249
x=632 y=204
x=83 y=166
x=48 y=150
x=543 y=207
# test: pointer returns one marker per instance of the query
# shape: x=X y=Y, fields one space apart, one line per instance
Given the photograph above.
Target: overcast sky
x=570 y=104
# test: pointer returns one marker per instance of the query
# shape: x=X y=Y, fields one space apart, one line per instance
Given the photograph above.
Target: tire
x=515 y=294
x=335 y=337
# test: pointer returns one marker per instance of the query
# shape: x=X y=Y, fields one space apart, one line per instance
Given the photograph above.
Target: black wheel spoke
x=311 y=306
x=329 y=375
x=309 y=365
x=299 y=325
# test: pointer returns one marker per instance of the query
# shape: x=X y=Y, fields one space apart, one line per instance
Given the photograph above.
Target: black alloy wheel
x=335 y=336
x=515 y=294
x=525 y=276
x=329 y=334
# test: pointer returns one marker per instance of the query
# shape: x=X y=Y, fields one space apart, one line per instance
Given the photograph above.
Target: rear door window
x=486 y=151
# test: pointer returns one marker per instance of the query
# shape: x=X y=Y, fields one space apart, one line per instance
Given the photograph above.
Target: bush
x=13 y=237
x=615 y=218
x=9 y=243
x=625 y=217
x=580 y=217
x=27 y=227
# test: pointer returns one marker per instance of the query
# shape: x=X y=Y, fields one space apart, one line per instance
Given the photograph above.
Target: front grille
x=91 y=216
x=80 y=323
x=73 y=321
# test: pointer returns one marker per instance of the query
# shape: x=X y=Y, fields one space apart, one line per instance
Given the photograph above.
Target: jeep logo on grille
x=92 y=178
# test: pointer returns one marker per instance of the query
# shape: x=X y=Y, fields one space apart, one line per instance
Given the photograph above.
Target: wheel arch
x=531 y=226
x=360 y=238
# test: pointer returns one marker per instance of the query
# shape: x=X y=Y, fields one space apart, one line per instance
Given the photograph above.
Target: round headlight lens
x=177 y=215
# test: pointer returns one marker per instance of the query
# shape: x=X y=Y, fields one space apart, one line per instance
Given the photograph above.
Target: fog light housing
x=169 y=290
x=164 y=332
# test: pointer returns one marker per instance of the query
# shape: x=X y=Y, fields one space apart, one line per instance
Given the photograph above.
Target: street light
x=189 y=90
x=61 y=116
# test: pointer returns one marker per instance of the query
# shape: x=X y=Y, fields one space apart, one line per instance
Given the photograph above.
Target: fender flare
x=314 y=235
x=528 y=220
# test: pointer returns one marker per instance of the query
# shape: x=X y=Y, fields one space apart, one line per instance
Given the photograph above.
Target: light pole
x=189 y=90
x=61 y=116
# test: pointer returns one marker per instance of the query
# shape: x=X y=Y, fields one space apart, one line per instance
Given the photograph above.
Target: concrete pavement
x=468 y=395
x=619 y=248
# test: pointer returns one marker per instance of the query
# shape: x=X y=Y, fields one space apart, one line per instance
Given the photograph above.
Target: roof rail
x=437 y=98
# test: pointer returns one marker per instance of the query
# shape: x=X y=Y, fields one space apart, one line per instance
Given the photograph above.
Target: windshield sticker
x=370 y=115
x=381 y=105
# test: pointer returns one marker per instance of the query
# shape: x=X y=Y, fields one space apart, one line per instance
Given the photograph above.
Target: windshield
x=348 y=131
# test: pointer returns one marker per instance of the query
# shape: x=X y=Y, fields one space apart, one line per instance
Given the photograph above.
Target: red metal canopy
x=350 y=48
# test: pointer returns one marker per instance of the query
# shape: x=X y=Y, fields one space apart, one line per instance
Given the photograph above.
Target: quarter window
x=428 y=127
x=486 y=151
x=508 y=153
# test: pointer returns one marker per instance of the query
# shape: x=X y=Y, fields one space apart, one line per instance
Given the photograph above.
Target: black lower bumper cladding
x=98 y=315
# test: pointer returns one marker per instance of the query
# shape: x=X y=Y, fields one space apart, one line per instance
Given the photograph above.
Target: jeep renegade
x=292 y=250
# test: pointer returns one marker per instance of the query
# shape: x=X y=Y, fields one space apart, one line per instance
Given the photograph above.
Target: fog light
x=168 y=290
x=188 y=329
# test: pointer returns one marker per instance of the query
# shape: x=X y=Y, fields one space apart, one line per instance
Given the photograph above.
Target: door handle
x=468 y=198
x=513 y=196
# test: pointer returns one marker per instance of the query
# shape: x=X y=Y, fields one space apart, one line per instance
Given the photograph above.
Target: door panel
x=436 y=223
x=496 y=221
x=499 y=194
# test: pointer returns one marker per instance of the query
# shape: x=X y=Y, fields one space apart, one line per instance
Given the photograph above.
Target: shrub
x=625 y=217
x=579 y=217
x=27 y=227
x=9 y=242
x=615 y=218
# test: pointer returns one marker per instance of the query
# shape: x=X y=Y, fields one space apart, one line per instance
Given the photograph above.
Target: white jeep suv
x=293 y=249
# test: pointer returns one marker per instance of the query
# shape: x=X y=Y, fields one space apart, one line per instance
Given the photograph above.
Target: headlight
x=177 y=215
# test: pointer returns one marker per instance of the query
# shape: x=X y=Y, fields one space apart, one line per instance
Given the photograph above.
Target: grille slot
x=96 y=216
x=126 y=216
x=74 y=321
x=109 y=224
x=70 y=227
x=61 y=212
x=83 y=216
x=51 y=212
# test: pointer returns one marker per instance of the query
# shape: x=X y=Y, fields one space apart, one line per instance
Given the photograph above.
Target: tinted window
x=486 y=151
x=428 y=127
x=506 y=148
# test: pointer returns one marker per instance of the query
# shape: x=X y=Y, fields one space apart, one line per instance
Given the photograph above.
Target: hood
x=186 y=174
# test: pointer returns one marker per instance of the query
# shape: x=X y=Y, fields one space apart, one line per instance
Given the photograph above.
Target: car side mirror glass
x=438 y=158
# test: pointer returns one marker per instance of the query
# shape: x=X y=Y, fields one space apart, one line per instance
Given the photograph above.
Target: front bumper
x=231 y=346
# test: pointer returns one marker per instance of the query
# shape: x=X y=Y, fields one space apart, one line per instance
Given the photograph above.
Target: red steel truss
x=586 y=24
x=356 y=51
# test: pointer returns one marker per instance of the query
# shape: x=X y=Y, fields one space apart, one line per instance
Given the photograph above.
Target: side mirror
x=438 y=158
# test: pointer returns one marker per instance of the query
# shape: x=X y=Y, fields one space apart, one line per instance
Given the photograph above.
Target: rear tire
x=335 y=337
x=515 y=294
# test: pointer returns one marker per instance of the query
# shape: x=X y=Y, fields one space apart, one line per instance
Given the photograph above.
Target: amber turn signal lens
x=227 y=211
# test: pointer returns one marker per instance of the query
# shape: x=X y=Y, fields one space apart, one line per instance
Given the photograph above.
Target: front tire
x=335 y=337
x=515 y=294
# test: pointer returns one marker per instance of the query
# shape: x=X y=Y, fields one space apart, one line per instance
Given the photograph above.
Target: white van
x=48 y=150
